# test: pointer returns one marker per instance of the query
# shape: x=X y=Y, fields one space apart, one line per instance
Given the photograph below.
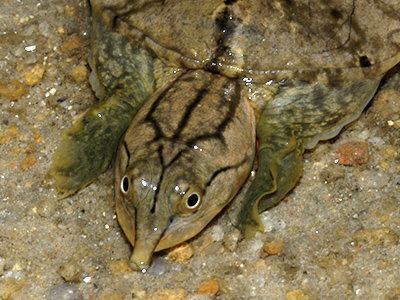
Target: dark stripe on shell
x=149 y=117
x=224 y=169
x=189 y=110
x=233 y=105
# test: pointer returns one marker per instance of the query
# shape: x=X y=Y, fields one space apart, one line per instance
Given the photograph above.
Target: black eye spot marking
x=193 y=201
x=364 y=61
x=125 y=184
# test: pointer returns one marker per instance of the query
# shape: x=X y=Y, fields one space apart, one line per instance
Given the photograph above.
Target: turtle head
x=174 y=171
x=163 y=203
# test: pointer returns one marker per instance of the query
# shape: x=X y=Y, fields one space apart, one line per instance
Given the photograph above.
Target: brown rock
x=46 y=208
x=69 y=10
x=209 y=287
x=181 y=253
x=9 y=134
x=231 y=240
x=12 y=90
x=34 y=75
x=28 y=162
x=389 y=154
x=70 y=271
x=169 y=294
x=332 y=173
x=9 y=288
x=296 y=295
x=139 y=294
x=112 y=296
x=377 y=237
x=353 y=153
x=206 y=241
x=272 y=248
x=60 y=30
x=37 y=137
x=394 y=294
x=386 y=103
x=118 y=267
x=71 y=43
x=79 y=73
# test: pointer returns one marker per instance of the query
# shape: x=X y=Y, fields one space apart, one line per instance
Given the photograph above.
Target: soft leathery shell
x=275 y=39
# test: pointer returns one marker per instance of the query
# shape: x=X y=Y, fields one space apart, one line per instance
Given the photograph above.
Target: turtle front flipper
x=295 y=119
x=280 y=165
x=123 y=76
x=87 y=148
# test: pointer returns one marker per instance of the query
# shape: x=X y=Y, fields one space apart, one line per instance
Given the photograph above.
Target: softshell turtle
x=197 y=95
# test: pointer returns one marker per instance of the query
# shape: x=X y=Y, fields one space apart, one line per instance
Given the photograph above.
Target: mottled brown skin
x=199 y=84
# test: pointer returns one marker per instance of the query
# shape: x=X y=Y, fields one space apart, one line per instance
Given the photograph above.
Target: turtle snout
x=142 y=255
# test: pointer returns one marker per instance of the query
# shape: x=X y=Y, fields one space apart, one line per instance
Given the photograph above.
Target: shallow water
x=339 y=228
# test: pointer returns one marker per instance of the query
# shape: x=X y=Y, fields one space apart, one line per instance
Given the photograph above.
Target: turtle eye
x=193 y=201
x=125 y=184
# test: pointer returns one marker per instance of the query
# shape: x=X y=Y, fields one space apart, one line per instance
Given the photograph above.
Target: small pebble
x=386 y=103
x=169 y=294
x=64 y=291
x=30 y=48
x=112 y=296
x=119 y=267
x=87 y=279
x=69 y=10
x=209 y=287
x=377 y=237
x=60 y=30
x=373 y=180
x=390 y=152
x=139 y=294
x=46 y=208
x=231 y=240
x=9 y=134
x=181 y=253
x=28 y=162
x=71 y=43
x=44 y=29
x=79 y=73
x=394 y=294
x=12 y=90
x=70 y=271
x=34 y=75
x=353 y=153
x=272 y=248
x=37 y=137
x=296 y=295
x=217 y=233
x=9 y=288
x=270 y=222
x=256 y=244
x=159 y=266
x=332 y=173
x=206 y=241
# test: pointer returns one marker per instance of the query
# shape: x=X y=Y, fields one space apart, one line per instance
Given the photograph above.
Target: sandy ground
x=336 y=236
